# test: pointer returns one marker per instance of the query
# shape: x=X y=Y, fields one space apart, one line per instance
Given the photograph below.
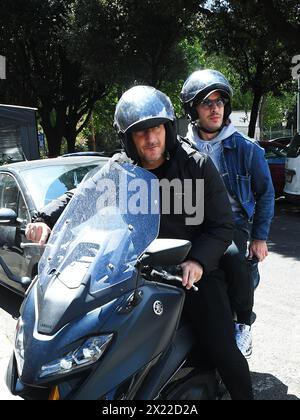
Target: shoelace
x=243 y=338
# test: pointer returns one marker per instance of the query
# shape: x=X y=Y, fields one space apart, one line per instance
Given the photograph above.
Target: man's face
x=150 y=145
x=211 y=114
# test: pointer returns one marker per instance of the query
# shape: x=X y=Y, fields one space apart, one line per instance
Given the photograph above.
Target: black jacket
x=209 y=239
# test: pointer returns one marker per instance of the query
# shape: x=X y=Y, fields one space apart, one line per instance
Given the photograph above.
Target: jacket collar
x=230 y=143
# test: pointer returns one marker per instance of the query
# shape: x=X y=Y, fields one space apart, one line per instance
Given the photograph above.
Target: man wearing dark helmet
x=206 y=98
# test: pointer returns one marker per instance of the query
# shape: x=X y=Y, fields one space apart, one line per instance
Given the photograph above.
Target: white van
x=292 y=171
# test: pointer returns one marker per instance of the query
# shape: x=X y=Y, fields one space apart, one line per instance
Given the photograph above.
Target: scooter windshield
x=109 y=223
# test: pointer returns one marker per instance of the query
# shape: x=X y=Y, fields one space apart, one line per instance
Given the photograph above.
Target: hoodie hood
x=214 y=147
x=194 y=137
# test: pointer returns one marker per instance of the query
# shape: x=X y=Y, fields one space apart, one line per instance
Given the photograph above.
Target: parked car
x=25 y=188
x=284 y=141
x=292 y=171
x=275 y=154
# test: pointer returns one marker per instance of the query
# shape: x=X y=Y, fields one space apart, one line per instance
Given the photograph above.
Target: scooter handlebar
x=24 y=245
x=170 y=277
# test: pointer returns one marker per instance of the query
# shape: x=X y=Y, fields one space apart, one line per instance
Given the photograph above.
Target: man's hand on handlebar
x=192 y=272
x=37 y=232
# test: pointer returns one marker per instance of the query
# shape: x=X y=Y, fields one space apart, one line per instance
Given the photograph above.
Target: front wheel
x=197 y=386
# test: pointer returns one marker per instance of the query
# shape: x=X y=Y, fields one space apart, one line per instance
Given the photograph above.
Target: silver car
x=25 y=188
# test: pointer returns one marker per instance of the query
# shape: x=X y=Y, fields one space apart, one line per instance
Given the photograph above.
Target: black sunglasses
x=209 y=103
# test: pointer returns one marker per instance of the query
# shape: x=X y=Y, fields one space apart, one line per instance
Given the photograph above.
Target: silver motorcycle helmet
x=140 y=108
x=201 y=84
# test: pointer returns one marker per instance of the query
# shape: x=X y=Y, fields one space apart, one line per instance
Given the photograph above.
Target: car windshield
x=10 y=142
x=275 y=152
x=109 y=223
x=294 y=147
x=50 y=182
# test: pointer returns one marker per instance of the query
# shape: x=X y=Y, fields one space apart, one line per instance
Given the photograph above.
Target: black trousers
x=210 y=314
x=239 y=276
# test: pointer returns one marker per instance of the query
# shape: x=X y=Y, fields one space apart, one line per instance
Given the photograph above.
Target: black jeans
x=240 y=273
x=210 y=314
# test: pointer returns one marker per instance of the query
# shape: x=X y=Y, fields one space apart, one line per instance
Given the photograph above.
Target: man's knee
x=235 y=263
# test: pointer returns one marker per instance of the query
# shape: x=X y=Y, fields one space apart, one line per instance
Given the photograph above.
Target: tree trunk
x=261 y=116
x=71 y=140
x=91 y=137
x=70 y=135
x=54 y=133
x=54 y=144
x=254 y=112
x=54 y=139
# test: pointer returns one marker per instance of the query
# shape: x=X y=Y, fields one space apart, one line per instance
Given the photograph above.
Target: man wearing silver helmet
x=145 y=122
x=206 y=98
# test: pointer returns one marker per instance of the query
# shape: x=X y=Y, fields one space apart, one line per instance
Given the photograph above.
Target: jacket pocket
x=244 y=188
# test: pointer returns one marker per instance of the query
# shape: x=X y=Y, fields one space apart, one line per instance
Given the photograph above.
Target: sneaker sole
x=248 y=355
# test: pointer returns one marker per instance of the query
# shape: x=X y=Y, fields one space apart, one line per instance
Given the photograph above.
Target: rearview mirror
x=8 y=217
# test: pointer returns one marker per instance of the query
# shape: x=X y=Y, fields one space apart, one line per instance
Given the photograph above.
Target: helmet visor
x=199 y=98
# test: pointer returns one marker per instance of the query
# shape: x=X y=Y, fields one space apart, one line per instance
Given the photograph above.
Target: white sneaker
x=243 y=338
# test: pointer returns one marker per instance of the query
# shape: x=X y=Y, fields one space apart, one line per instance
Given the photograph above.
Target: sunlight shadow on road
x=285 y=231
x=268 y=387
x=10 y=302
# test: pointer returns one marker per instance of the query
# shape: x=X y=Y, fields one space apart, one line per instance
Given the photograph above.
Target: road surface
x=275 y=364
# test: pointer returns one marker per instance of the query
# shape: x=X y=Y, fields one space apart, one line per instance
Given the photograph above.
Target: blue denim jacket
x=247 y=178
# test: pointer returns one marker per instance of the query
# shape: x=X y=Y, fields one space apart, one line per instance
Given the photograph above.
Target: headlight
x=19 y=346
x=87 y=354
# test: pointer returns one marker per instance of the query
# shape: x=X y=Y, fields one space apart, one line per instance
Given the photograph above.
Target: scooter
x=102 y=319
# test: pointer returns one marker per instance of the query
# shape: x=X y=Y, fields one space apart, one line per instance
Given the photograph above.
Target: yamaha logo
x=46 y=326
x=158 y=308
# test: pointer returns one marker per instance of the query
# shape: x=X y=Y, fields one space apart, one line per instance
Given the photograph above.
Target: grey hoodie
x=213 y=149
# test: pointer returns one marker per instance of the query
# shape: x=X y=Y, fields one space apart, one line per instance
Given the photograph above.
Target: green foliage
x=277 y=109
x=146 y=48
x=74 y=58
x=283 y=18
x=41 y=71
x=198 y=58
x=242 y=30
x=141 y=39
x=99 y=133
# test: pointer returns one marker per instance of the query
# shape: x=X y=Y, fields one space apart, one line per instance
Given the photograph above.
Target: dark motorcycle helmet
x=199 y=86
x=140 y=108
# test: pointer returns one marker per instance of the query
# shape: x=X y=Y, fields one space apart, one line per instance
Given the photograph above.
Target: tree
x=41 y=71
x=147 y=36
x=240 y=29
x=284 y=20
x=147 y=48
x=198 y=58
x=276 y=110
x=65 y=55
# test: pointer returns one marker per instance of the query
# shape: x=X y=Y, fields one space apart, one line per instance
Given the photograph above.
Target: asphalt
x=9 y=312
x=275 y=363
